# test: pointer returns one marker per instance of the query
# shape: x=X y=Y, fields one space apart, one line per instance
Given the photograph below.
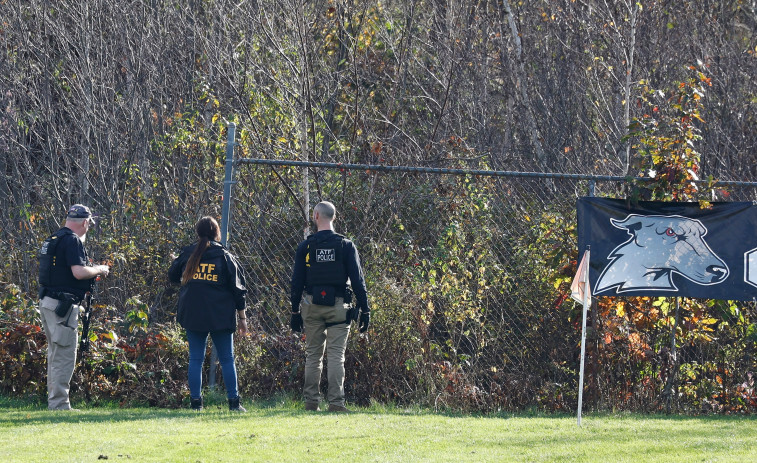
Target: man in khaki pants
x=65 y=277
x=323 y=264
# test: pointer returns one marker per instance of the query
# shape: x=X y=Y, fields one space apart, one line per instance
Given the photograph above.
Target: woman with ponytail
x=211 y=302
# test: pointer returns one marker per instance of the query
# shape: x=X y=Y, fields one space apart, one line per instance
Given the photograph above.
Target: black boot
x=234 y=405
x=196 y=404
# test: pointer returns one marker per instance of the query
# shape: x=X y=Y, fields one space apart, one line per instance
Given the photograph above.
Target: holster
x=65 y=302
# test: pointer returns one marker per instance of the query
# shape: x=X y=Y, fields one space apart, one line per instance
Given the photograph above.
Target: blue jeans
x=224 y=342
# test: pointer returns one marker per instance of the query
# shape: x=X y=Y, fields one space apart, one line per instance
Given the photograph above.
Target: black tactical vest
x=54 y=273
x=324 y=262
x=48 y=259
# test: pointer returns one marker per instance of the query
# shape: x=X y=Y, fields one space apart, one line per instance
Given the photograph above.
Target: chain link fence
x=467 y=274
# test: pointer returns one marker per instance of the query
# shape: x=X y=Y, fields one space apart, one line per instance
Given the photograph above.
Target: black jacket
x=209 y=301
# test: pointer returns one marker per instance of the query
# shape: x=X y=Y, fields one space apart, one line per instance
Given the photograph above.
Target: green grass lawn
x=283 y=431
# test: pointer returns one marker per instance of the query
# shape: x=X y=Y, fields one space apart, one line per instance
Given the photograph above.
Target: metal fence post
x=225 y=216
x=227 y=182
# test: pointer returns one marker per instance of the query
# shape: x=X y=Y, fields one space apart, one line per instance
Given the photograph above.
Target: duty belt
x=337 y=293
x=44 y=292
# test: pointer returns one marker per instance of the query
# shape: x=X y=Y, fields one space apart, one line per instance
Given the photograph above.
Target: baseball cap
x=79 y=211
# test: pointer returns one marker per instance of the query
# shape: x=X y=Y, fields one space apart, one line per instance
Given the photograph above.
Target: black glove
x=296 y=322
x=353 y=314
x=365 y=319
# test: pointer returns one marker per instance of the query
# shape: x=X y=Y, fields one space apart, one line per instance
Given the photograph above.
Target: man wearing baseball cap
x=65 y=276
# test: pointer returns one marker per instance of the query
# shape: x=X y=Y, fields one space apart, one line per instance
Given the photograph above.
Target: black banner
x=670 y=249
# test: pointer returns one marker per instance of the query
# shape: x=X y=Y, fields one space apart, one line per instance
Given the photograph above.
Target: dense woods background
x=124 y=106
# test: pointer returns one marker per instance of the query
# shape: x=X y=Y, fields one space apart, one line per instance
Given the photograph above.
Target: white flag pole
x=586 y=302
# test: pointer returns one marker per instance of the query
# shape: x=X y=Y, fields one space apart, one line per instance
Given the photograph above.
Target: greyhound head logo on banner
x=660 y=246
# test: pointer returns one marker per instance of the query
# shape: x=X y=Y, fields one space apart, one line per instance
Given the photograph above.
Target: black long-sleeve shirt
x=353 y=267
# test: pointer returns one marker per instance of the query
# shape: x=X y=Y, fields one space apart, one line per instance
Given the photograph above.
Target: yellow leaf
x=620 y=310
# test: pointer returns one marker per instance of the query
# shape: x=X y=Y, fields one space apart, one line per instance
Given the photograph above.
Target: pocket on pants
x=48 y=303
x=65 y=331
x=63 y=335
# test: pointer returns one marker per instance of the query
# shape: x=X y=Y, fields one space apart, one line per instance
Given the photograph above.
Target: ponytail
x=193 y=264
x=207 y=229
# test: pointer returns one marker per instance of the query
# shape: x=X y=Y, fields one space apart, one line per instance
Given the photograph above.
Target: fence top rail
x=438 y=170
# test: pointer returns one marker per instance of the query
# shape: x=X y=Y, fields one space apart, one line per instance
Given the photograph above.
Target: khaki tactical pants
x=320 y=339
x=62 y=341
